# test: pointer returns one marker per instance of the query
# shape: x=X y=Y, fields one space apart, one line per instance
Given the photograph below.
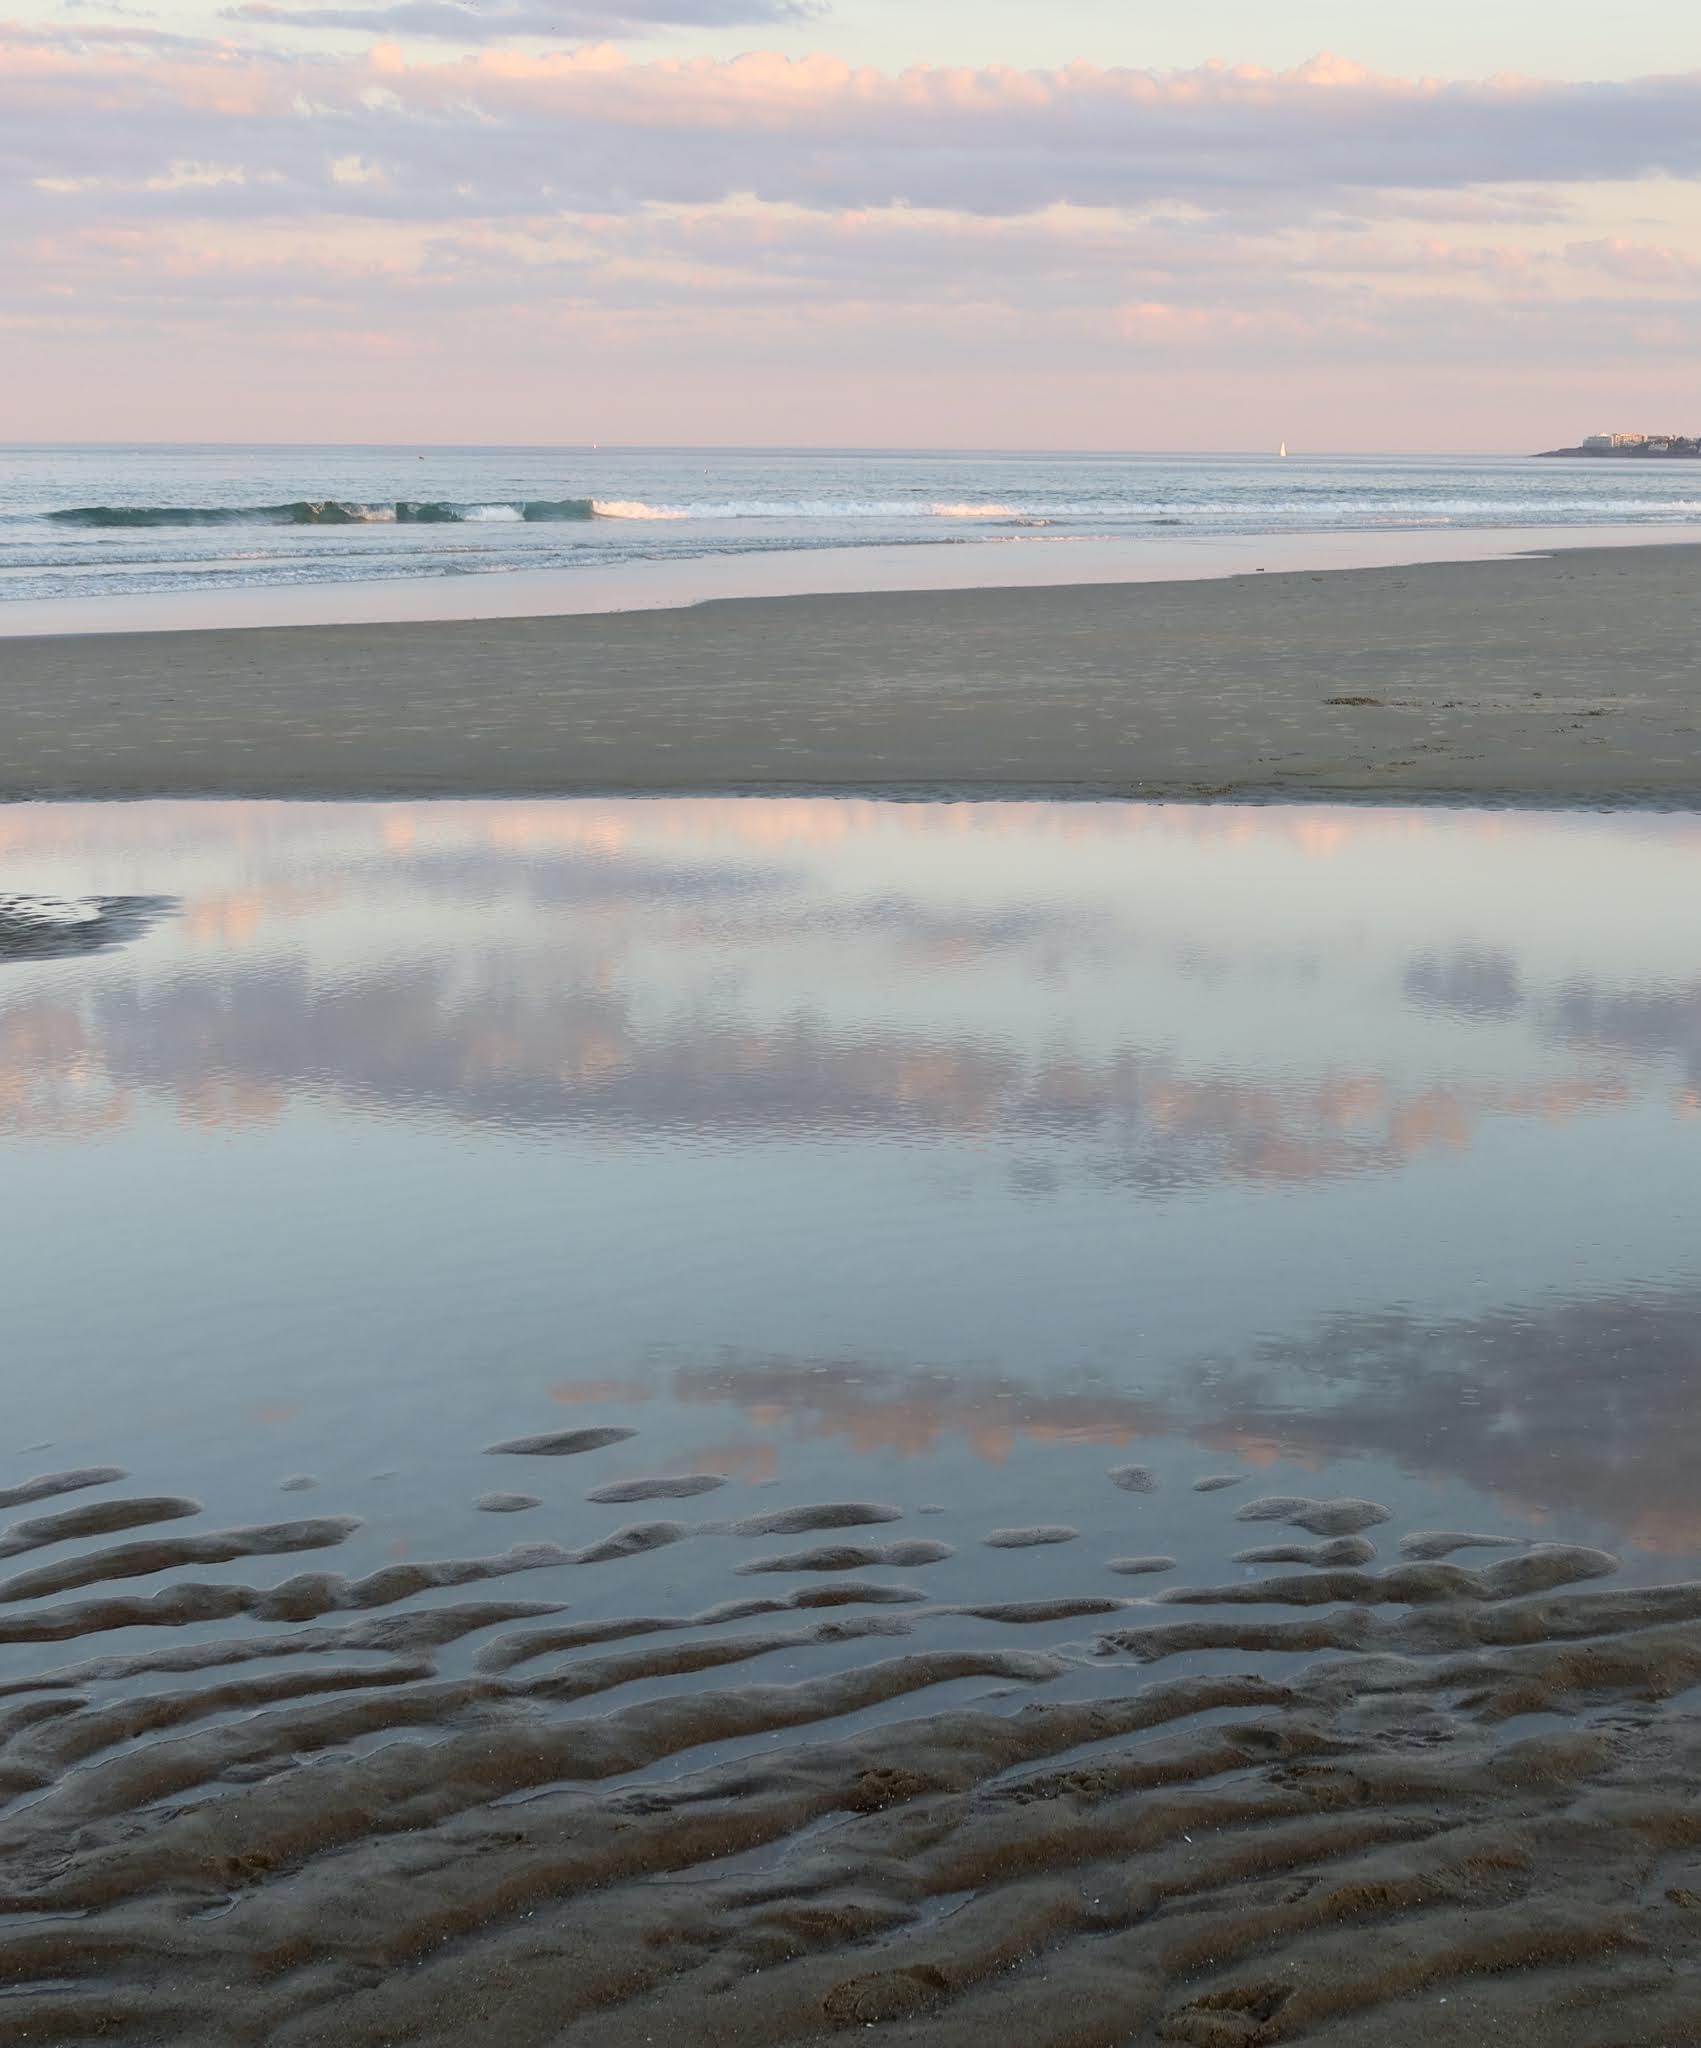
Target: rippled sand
x=1334 y=1803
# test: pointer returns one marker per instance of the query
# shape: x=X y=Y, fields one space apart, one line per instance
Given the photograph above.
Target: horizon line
x=779 y=448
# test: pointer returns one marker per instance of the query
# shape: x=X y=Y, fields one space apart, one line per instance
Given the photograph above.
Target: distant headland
x=1657 y=445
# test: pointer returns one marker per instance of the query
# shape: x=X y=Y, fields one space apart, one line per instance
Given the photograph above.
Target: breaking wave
x=445 y=512
x=635 y=508
x=324 y=512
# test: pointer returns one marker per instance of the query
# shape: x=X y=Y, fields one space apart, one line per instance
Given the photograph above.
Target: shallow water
x=879 y=1180
x=952 y=1149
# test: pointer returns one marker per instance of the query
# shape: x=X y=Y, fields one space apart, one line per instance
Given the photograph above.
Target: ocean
x=90 y=522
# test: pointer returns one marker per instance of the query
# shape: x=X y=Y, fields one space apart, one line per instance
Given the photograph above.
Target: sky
x=1096 y=223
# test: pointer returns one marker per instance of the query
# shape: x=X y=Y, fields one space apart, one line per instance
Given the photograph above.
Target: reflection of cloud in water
x=1647 y=1023
x=894 y=1412
x=1323 y=832
x=592 y=1393
x=1657 y=1022
x=587 y=878
x=753 y=1462
x=1585 y=1408
x=531 y=1054
x=920 y=934
x=52 y=1080
x=924 y=932
x=610 y=825
x=1586 y=1405
x=1471 y=981
x=231 y=917
x=745 y=903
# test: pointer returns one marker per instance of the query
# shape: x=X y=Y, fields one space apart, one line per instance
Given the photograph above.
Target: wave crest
x=323 y=512
x=449 y=512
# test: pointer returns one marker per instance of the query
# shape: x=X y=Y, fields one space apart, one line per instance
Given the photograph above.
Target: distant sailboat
x=1283 y=449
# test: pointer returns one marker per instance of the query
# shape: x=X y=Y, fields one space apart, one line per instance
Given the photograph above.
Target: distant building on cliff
x=1633 y=444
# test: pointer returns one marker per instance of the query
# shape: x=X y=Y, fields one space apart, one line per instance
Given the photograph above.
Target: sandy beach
x=1178 y=1751
x=1570 y=678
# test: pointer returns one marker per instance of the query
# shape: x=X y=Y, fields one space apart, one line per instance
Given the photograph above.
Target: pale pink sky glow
x=269 y=225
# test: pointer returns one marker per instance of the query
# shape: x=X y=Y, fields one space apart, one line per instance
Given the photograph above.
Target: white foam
x=818 y=508
x=635 y=508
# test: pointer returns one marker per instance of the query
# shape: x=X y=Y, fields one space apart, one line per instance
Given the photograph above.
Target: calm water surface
x=937 y=1159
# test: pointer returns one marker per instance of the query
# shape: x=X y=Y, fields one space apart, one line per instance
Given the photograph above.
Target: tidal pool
x=900 y=1259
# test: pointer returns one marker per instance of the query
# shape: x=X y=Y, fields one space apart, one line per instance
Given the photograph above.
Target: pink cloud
x=459 y=21
x=1636 y=262
x=931 y=135
x=820 y=217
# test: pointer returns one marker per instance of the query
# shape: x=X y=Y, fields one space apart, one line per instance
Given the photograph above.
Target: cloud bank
x=460 y=21
x=809 y=211
x=593 y=128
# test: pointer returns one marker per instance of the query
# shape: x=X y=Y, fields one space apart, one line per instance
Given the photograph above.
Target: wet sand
x=1459 y=1797
x=1568 y=678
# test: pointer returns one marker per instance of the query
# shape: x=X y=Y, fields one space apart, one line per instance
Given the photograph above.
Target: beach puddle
x=740 y=1419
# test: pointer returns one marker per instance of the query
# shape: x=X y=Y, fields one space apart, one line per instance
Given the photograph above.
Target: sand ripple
x=361 y=1809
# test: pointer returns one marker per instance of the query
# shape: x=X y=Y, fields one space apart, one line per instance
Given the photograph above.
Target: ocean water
x=91 y=521
x=611 y=1399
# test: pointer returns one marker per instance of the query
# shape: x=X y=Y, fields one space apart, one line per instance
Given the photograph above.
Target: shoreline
x=1563 y=678
x=1002 y=562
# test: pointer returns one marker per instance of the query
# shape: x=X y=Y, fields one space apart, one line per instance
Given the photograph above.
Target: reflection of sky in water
x=911 y=1153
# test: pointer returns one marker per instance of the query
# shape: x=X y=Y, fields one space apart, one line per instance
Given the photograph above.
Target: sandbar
x=1573 y=677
